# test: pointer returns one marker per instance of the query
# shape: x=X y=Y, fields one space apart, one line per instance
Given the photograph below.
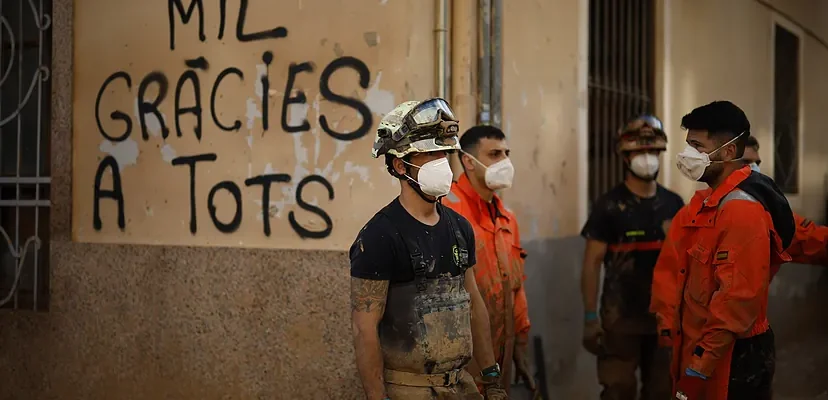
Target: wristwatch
x=494 y=370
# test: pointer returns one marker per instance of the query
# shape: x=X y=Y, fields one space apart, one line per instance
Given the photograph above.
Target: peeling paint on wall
x=168 y=153
x=125 y=153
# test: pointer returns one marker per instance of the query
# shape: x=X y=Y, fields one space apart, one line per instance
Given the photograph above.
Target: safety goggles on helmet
x=417 y=127
x=643 y=133
x=426 y=115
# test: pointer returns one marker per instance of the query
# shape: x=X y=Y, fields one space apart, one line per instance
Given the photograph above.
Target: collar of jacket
x=482 y=206
x=711 y=198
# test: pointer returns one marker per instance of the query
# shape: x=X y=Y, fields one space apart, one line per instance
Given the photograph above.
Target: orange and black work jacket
x=499 y=270
x=710 y=284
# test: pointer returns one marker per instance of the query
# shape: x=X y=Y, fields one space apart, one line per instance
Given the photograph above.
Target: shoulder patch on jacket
x=805 y=223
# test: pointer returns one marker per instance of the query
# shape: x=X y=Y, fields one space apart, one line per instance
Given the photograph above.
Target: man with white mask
x=710 y=285
x=415 y=305
x=499 y=269
x=624 y=232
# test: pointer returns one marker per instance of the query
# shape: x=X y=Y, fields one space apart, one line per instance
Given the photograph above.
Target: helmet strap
x=419 y=191
x=414 y=185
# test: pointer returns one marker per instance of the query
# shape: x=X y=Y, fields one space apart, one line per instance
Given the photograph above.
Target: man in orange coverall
x=723 y=244
x=810 y=244
x=499 y=268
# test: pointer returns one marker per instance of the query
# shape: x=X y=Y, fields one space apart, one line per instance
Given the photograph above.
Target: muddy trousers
x=465 y=389
x=623 y=355
x=752 y=368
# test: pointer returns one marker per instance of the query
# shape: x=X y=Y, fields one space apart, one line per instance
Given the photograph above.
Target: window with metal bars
x=786 y=110
x=621 y=79
x=25 y=112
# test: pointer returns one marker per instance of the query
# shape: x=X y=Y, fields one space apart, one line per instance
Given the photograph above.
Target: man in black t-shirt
x=415 y=304
x=624 y=233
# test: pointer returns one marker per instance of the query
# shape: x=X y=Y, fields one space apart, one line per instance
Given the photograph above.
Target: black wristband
x=494 y=370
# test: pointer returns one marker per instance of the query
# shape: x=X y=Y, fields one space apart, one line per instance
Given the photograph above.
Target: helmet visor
x=431 y=111
x=634 y=128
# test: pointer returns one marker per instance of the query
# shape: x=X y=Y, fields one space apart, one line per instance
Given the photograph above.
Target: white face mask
x=692 y=163
x=755 y=167
x=435 y=177
x=645 y=165
x=499 y=175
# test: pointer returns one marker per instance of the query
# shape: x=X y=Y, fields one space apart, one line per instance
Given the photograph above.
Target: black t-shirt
x=379 y=252
x=634 y=229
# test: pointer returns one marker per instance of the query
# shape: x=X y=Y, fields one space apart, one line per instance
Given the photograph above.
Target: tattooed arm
x=367 y=306
x=481 y=329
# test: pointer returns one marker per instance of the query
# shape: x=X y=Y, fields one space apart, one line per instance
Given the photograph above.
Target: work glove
x=690 y=386
x=492 y=390
x=593 y=333
x=521 y=357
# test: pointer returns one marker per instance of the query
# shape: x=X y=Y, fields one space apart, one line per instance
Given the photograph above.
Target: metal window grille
x=25 y=112
x=621 y=65
x=786 y=110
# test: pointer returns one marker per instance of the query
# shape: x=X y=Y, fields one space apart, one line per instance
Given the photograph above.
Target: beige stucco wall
x=150 y=322
x=542 y=106
x=723 y=50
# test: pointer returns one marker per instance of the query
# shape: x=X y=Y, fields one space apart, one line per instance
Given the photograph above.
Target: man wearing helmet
x=625 y=231
x=415 y=305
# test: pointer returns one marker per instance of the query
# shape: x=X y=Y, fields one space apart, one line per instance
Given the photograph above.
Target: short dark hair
x=471 y=138
x=723 y=121
x=752 y=142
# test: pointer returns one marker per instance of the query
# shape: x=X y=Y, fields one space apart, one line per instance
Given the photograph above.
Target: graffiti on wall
x=196 y=107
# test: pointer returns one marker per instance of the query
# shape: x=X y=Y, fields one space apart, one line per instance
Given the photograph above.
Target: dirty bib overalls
x=425 y=333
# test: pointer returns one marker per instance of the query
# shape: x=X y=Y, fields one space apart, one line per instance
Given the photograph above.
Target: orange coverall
x=499 y=269
x=810 y=244
x=710 y=284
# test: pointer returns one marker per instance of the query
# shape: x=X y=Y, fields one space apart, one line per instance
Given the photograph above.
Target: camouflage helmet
x=642 y=133
x=417 y=127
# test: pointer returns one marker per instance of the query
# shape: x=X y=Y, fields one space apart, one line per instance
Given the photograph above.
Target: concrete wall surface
x=174 y=322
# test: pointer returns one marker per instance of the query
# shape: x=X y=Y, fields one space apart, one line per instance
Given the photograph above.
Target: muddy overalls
x=425 y=333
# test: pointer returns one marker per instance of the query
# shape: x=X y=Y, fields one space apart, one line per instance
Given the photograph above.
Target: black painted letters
x=265 y=181
x=185 y=17
x=325 y=90
x=298 y=99
x=214 y=93
x=152 y=91
x=115 y=114
x=234 y=190
x=116 y=193
x=145 y=108
x=191 y=161
x=302 y=231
